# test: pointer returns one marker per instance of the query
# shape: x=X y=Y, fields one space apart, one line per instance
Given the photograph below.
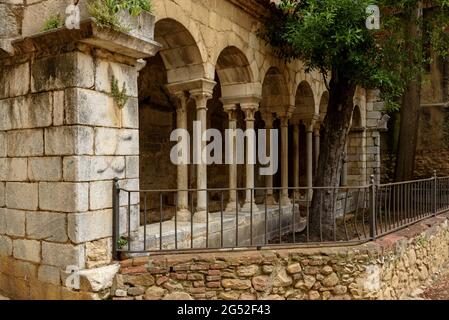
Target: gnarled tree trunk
x=334 y=133
x=411 y=103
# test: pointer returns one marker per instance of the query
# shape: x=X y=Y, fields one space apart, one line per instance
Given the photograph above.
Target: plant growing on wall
x=106 y=12
x=119 y=96
x=53 y=22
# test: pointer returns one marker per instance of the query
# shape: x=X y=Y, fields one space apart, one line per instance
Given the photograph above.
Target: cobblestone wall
x=390 y=268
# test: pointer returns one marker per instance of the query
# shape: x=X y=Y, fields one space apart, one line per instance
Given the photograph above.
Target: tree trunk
x=334 y=133
x=410 y=107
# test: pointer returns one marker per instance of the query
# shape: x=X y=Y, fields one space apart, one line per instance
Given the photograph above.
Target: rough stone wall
x=62 y=141
x=390 y=268
x=374 y=109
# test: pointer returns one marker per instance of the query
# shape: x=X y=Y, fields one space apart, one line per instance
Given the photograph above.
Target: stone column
x=201 y=97
x=309 y=144
x=296 y=159
x=231 y=110
x=316 y=142
x=183 y=213
x=250 y=111
x=268 y=118
x=284 y=161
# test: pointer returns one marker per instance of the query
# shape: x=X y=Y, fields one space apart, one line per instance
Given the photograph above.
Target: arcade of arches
x=234 y=81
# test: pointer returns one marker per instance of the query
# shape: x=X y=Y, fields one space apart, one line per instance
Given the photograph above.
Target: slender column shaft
x=182 y=169
x=201 y=98
x=232 y=204
x=316 y=135
x=269 y=178
x=250 y=110
x=309 y=158
x=296 y=157
x=284 y=160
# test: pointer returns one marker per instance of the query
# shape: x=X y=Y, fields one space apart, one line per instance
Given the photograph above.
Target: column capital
x=201 y=97
x=231 y=110
x=181 y=100
x=268 y=117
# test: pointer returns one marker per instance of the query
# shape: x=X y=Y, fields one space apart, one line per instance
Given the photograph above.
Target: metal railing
x=148 y=221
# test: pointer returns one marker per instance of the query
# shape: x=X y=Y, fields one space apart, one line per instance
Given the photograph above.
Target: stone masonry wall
x=390 y=268
x=62 y=141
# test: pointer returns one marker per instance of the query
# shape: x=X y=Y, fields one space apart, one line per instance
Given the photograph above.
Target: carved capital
x=250 y=110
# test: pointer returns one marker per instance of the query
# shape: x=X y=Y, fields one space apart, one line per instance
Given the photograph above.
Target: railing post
x=372 y=209
x=115 y=217
x=434 y=192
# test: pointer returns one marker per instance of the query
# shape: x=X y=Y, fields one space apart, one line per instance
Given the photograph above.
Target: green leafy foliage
x=52 y=22
x=105 y=11
x=122 y=242
x=331 y=35
x=118 y=95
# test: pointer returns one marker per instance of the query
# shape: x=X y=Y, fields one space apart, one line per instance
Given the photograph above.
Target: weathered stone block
x=45 y=169
x=89 y=226
x=2 y=194
x=36 y=14
x=93 y=168
x=25 y=143
x=50 y=226
x=98 y=253
x=49 y=274
x=110 y=141
x=64 y=196
x=88 y=107
x=130 y=114
x=29 y=250
x=74 y=69
x=100 y=195
x=5 y=246
x=132 y=167
x=3 y=169
x=75 y=140
x=3 y=221
x=31 y=111
x=63 y=255
x=3 y=151
x=17 y=169
x=126 y=76
x=58 y=108
x=15 y=79
x=15 y=222
x=130 y=184
x=21 y=195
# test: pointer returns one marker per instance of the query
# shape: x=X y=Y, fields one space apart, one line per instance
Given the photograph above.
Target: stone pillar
x=63 y=139
x=201 y=97
x=250 y=110
x=268 y=118
x=316 y=143
x=285 y=200
x=231 y=110
x=296 y=160
x=183 y=213
x=309 y=145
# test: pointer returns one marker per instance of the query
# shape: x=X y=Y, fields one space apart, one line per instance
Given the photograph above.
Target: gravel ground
x=438 y=290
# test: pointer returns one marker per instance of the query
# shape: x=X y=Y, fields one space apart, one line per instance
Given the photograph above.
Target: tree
x=419 y=27
x=330 y=36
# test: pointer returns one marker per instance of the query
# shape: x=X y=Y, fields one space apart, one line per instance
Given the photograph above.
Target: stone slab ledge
x=89 y=33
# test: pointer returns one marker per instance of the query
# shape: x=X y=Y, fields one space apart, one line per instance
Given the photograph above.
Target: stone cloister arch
x=304 y=121
x=164 y=105
x=274 y=110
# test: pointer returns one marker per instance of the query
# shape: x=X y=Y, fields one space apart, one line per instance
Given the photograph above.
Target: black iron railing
x=153 y=221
